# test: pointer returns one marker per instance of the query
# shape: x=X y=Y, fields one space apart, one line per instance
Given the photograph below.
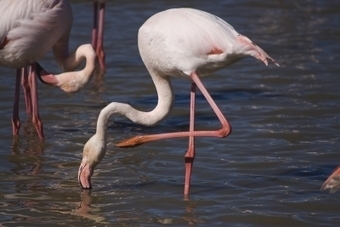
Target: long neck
x=73 y=81
x=163 y=107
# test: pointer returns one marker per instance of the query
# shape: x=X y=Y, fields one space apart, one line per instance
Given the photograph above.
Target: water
x=268 y=172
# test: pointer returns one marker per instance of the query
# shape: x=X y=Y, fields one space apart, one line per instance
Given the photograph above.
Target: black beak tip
x=85 y=188
x=38 y=72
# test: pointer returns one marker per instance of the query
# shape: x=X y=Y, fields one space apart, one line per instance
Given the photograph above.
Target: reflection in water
x=31 y=149
x=27 y=158
x=98 y=83
x=191 y=218
x=86 y=211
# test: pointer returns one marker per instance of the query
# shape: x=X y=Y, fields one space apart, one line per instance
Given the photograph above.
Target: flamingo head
x=84 y=175
x=93 y=153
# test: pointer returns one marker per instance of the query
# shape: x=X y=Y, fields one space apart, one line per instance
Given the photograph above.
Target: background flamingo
x=180 y=42
x=28 y=29
x=98 y=31
x=333 y=181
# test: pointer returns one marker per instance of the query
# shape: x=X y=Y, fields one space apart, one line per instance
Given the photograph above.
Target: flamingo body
x=26 y=27
x=179 y=42
x=192 y=40
x=333 y=181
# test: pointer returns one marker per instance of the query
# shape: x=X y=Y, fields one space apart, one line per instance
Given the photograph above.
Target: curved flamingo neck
x=73 y=81
x=150 y=118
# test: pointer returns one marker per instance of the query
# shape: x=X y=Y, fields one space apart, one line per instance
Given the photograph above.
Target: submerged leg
x=190 y=155
x=35 y=105
x=223 y=132
x=15 y=116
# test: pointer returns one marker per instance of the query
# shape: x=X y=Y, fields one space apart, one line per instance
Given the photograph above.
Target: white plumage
x=30 y=28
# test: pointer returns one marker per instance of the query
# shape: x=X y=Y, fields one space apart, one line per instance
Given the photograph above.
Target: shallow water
x=268 y=172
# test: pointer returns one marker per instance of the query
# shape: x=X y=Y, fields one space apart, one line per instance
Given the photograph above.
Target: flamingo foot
x=132 y=142
x=15 y=126
x=333 y=181
x=39 y=128
x=101 y=60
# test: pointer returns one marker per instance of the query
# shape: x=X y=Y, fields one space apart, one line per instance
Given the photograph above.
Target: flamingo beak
x=44 y=76
x=84 y=176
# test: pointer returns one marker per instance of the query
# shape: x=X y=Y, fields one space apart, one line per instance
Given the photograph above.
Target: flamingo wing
x=27 y=24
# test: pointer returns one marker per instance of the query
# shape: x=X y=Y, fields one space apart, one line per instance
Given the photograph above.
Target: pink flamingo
x=180 y=42
x=98 y=31
x=28 y=29
x=333 y=181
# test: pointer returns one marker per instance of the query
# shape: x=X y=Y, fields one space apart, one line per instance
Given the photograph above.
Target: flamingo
x=28 y=29
x=333 y=181
x=98 y=31
x=181 y=42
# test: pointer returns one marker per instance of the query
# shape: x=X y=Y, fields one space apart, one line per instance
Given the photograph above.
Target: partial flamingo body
x=98 y=31
x=333 y=181
x=179 y=42
x=28 y=29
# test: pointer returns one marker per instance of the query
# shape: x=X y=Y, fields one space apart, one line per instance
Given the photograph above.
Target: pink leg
x=223 y=132
x=190 y=155
x=95 y=25
x=35 y=105
x=15 y=117
x=27 y=91
x=100 y=38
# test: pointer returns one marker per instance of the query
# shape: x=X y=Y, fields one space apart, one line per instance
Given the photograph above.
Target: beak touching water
x=84 y=175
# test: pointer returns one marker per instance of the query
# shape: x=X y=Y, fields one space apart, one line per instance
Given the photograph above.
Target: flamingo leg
x=223 y=132
x=35 y=105
x=98 y=33
x=15 y=117
x=27 y=91
x=95 y=25
x=100 y=37
x=190 y=155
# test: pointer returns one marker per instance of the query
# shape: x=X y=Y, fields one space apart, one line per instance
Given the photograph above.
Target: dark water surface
x=268 y=172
